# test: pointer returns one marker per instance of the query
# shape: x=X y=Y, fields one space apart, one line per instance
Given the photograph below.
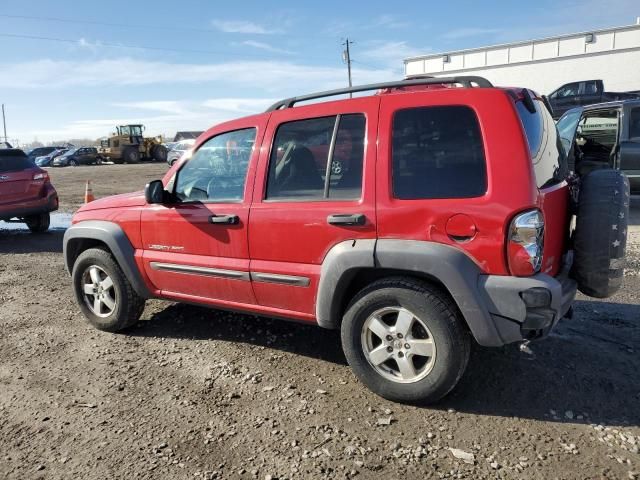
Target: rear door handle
x=346 y=219
x=224 y=219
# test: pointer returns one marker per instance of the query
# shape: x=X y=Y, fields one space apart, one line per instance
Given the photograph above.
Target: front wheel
x=73 y=163
x=38 y=223
x=404 y=339
x=104 y=293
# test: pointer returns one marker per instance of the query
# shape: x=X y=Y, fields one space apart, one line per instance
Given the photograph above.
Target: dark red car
x=26 y=193
x=451 y=220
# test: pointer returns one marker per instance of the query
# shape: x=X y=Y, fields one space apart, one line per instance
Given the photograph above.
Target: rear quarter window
x=437 y=152
x=545 y=146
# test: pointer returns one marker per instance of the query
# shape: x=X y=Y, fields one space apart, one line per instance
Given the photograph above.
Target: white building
x=612 y=55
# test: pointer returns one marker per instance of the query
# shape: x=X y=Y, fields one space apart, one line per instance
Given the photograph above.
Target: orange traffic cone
x=88 y=193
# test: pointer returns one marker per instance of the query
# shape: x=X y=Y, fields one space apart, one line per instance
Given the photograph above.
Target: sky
x=72 y=69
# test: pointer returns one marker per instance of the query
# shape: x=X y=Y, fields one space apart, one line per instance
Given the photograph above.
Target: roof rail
x=465 y=81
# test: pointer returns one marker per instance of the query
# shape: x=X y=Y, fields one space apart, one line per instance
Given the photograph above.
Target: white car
x=178 y=150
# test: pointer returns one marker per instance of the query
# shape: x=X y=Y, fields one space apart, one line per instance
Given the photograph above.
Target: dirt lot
x=195 y=393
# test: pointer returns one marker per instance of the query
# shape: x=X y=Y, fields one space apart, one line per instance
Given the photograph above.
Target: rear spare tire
x=600 y=237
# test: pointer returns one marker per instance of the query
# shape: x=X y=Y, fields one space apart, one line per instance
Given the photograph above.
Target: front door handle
x=346 y=219
x=224 y=219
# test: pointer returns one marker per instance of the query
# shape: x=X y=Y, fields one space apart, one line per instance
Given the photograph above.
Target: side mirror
x=154 y=192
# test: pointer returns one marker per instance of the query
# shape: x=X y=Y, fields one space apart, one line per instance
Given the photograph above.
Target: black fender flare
x=459 y=274
x=112 y=235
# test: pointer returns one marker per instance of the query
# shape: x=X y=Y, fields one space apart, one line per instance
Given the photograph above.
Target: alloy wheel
x=98 y=291
x=398 y=345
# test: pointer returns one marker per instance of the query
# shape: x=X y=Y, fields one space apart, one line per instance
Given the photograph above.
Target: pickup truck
x=604 y=135
x=586 y=92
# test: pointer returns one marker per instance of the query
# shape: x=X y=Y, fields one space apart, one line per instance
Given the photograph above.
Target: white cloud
x=167 y=106
x=265 y=46
x=390 y=54
x=459 y=33
x=243 y=26
x=270 y=80
x=263 y=75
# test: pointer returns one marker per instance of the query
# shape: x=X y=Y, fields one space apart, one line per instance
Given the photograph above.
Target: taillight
x=525 y=243
x=41 y=176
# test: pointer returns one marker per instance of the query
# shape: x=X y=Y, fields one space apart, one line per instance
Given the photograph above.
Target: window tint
x=545 y=145
x=567 y=127
x=14 y=161
x=217 y=170
x=437 y=153
x=300 y=167
x=634 y=124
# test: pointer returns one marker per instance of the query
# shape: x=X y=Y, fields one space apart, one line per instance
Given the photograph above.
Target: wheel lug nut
x=407 y=346
x=399 y=335
x=389 y=349
x=389 y=338
x=400 y=354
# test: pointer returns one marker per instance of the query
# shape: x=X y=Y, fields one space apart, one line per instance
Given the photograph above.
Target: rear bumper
x=48 y=203
x=527 y=308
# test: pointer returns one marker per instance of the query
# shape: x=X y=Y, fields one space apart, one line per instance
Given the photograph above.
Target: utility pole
x=4 y=124
x=346 y=56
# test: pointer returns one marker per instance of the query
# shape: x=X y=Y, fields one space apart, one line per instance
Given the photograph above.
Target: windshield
x=70 y=152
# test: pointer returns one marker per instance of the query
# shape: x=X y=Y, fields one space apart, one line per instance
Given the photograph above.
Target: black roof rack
x=465 y=81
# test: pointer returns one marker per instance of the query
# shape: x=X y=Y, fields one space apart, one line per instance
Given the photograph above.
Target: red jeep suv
x=450 y=220
x=26 y=194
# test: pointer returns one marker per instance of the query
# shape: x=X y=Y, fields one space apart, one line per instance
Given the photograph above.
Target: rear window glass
x=13 y=161
x=437 y=153
x=545 y=146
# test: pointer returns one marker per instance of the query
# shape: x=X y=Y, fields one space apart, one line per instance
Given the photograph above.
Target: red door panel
x=289 y=238
x=188 y=255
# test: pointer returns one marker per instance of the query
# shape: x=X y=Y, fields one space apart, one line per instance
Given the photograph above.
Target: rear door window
x=634 y=125
x=14 y=161
x=318 y=158
x=545 y=146
x=437 y=152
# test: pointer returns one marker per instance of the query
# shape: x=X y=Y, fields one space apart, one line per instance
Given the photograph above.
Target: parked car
x=26 y=193
x=451 y=223
x=41 y=151
x=587 y=92
x=46 y=160
x=179 y=149
x=78 y=156
x=604 y=135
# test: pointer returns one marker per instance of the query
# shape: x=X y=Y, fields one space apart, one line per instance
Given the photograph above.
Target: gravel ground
x=197 y=393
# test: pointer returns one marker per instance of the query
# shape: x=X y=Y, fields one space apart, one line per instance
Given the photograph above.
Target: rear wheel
x=104 y=294
x=38 y=223
x=159 y=153
x=404 y=339
x=131 y=155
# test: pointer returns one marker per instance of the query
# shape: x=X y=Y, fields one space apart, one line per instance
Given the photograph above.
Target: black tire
x=73 y=163
x=38 y=223
x=117 y=160
x=131 y=155
x=159 y=153
x=600 y=237
x=128 y=304
x=434 y=308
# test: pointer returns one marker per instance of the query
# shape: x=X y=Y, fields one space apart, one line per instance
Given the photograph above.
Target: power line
x=139 y=27
x=99 y=43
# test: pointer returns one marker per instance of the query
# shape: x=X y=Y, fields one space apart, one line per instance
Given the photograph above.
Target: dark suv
x=78 y=156
x=449 y=221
